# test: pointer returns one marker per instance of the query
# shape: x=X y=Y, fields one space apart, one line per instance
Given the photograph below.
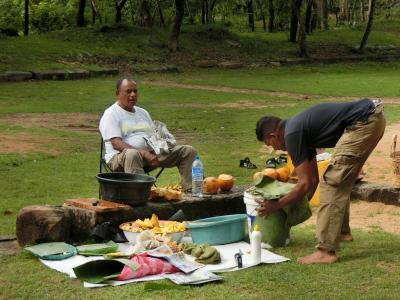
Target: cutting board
x=95 y=204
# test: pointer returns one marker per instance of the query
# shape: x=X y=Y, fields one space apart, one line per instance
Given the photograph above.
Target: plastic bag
x=147 y=266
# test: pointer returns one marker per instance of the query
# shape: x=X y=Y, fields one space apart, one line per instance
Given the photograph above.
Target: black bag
x=106 y=232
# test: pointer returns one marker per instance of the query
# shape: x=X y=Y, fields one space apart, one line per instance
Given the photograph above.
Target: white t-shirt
x=131 y=127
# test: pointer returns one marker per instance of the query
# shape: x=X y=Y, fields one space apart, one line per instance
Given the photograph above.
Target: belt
x=378 y=106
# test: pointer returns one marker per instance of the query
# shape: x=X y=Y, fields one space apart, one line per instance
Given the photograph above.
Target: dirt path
x=216 y=88
x=370 y=216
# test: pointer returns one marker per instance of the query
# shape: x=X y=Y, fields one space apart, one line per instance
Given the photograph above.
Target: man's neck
x=124 y=108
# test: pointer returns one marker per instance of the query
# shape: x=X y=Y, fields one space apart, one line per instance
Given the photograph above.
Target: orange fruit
x=283 y=174
x=226 y=182
x=257 y=175
x=210 y=185
x=270 y=172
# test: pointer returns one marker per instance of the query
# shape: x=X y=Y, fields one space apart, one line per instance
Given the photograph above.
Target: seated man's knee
x=133 y=160
x=189 y=151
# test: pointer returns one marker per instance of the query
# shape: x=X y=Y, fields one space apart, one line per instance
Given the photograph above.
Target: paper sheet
x=227 y=252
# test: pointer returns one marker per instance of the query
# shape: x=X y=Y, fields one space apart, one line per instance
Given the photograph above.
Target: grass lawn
x=221 y=128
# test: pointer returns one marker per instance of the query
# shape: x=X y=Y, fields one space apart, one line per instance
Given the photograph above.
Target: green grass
x=368 y=269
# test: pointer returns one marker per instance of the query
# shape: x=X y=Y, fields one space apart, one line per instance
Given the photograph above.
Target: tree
x=271 y=10
x=303 y=34
x=176 y=28
x=250 y=14
x=119 y=5
x=323 y=14
x=294 y=19
x=26 y=18
x=95 y=12
x=371 y=9
x=80 y=18
x=260 y=4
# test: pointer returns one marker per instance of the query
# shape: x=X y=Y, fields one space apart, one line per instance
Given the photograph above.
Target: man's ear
x=117 y=92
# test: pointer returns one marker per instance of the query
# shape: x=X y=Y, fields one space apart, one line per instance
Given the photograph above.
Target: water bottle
x=255 y=243
x=197 y=177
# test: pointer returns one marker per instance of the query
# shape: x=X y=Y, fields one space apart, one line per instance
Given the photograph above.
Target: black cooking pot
x=127 y=188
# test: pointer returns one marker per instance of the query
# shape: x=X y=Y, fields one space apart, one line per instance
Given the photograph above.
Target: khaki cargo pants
x=181 y=156
x=350 y=154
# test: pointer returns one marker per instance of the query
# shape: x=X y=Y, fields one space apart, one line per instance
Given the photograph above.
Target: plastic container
x=127 y=188
x=255 y=243
x=251 y=205
x=197 y=177
x=218 y=230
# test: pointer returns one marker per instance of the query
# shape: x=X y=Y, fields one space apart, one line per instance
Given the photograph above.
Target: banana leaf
x=98 y=271
x=97 y=249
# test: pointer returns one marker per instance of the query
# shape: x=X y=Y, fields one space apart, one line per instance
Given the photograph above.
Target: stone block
x=105 y=72
x=231 y=65
x=16 y=76
x=51 y=75
x=207 y=63
x=42 y=223
x=373 y=192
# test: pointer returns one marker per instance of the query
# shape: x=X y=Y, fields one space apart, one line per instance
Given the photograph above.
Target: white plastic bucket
x=251 y=205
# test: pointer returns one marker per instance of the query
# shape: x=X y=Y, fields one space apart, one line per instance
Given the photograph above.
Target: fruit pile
x=168 y=193
x=281 y=174
x=223 y=183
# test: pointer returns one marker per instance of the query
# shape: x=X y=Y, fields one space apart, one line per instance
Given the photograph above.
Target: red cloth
x=148 y=266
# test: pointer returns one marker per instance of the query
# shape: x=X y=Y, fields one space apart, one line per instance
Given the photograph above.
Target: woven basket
x=395 y=155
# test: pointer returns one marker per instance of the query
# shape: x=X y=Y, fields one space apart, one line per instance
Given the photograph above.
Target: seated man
x=125 y=129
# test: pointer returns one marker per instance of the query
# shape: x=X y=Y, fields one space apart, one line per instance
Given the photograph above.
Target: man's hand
x=151 y=159
x=267 y=207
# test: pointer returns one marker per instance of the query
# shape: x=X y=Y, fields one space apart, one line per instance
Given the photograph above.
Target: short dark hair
x=266 y=125
x=119 y=82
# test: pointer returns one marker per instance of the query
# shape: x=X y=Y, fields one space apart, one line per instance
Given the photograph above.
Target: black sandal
x=272 y=163
x=246 y=163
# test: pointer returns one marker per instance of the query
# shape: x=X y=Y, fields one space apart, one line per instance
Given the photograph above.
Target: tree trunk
x=302 y=35
x=308 y=19
x=260 y=4
x=362 y=11
x=80 y=18
x=119 y=5
x=211 y=10
x=203 y=11
x=294 y=20
x=191 y=19
x=250 y=14
x=324 y=14
x=147 y=19
x=26 y=18
x=271 y=10
x=176 y=29
x=344 y=10
x=95 y=12
x=160 y=13
x=371 y=9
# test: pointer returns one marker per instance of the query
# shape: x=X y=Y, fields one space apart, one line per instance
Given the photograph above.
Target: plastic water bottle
x=197 y=177
x=255 y=243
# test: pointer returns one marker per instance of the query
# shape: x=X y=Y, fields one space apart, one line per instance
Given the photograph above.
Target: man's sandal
x=246 y=163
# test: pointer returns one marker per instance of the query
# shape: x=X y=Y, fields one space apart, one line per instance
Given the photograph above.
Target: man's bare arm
x=308 y=181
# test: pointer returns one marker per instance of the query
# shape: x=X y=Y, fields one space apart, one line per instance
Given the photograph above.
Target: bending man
x=125 y=128
x=354 y=129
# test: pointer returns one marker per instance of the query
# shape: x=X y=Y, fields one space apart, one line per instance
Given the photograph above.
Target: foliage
x=11 y=14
